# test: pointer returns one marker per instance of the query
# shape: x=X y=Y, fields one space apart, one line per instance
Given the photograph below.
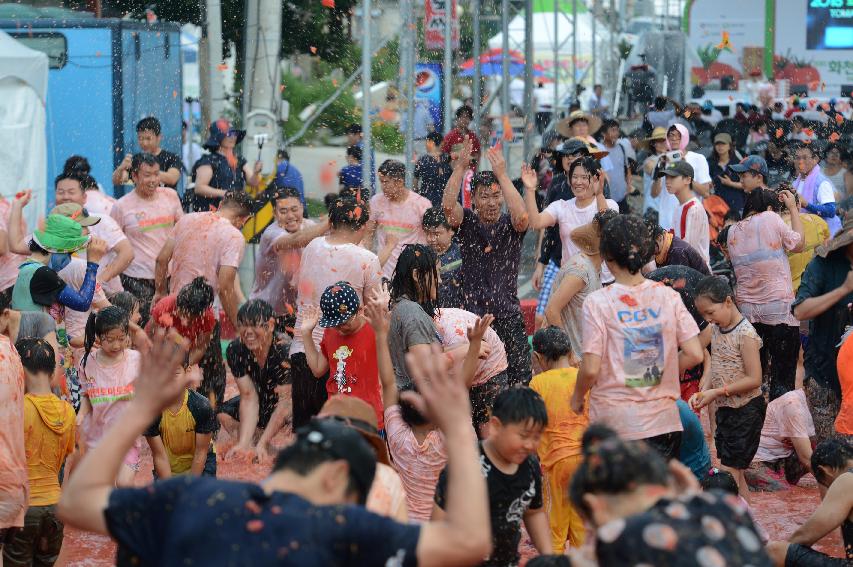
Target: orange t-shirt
x=844 y=362
x=49 y=435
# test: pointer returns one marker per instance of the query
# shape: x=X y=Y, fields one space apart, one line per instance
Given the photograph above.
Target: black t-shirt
x=711 y=528
x=205 y=521
x=432 y=174
x=490 y=258
x=167 y=161
x=45 y=286
x=275 y=372
x=510 y=497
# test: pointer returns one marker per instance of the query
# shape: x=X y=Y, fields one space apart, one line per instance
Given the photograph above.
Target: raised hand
x=22 y=198
x=529 y=176
x=95 y=250
x=377 y=313
x=476 y=332
x=496 y=159
x=310 y=318
x=159 y=384
x=464 y=157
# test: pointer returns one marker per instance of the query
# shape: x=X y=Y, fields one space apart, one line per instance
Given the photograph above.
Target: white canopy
x=23 y=148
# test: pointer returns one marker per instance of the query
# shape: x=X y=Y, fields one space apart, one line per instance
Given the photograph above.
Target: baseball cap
x=570 y=147
x=723 y=138
x=677 y=168
x=339 y=303
x=342 y=442
x=359 y=415
x=77 y=213
x=752 y=163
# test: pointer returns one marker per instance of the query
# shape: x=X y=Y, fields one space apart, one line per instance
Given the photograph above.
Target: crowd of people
x=384 y=367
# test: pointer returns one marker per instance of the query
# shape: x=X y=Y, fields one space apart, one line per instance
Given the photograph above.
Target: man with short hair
x=280 y=251
x=287 y=175
x=69 y=189
x=432 y=171
x=149 y=138
x=146 y=215
x=491 y=250
x=598 y=104
x=619 y=176
x=396 y=216
x=817 y=194
x=308 y=511
x=460 y=132
x=325 y=261
x=355 y=137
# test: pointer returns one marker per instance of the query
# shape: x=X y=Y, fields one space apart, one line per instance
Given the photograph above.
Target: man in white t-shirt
x=690 y=222
x=678 y=137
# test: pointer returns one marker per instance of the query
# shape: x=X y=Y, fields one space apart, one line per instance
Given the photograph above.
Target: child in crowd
x=560 y=447
x=130 y=303
x=734 y=382
x=181 y=437
x=513 y=476
x=440 y=237
x=416 y=445
x=49 y=437
x=348 y=349
x=690 y=221
x=350 y=175
x=106 y=377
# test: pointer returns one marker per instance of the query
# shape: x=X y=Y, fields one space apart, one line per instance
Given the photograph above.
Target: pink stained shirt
x=14 y=483
x=147 y=224
x=403 y=220
x=452 y=325
x=636 y=331
x=757 y=249
x=690 y=223
x=204 y=242
x=99 y=203
x=109 y=388
x=9 y=262
x=108 y=231
x=325 y=264
x=569 y=216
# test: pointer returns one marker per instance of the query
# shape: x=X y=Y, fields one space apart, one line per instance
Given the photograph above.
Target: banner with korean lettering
x=435 y=11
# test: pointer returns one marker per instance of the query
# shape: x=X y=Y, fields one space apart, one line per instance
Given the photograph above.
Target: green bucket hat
x=60 y=235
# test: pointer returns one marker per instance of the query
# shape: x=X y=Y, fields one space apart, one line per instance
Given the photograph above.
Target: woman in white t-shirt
x=587 y=182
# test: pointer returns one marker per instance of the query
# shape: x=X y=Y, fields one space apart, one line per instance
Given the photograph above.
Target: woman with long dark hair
x=722 y=157
x=414 y=298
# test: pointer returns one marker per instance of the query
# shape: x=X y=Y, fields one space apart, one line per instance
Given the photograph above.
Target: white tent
x=23 y=148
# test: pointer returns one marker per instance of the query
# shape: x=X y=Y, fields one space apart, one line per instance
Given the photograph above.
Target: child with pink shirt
x=106 y=377
x=632 y=333
x=416 y=445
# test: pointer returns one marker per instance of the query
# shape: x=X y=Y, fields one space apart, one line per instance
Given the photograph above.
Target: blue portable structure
x=105 y=75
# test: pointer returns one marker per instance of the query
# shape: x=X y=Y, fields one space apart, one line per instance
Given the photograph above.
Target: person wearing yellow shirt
x=49 y=438
x=180 y=439
x=560 y=447
x=816 y=233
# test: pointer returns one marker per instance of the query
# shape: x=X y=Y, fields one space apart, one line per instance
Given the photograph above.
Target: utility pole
x=574 y=94
x=214 y=46
x=478 y=96
x=262 y=119
x=448 y=63
x=529 y=110
x=366 y=81
x=505 y=78
x=407 y=79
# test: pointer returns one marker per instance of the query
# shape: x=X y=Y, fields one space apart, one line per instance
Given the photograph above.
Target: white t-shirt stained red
x=690 y=223
x=402 y=219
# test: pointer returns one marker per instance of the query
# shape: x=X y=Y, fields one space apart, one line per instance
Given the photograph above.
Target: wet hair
x=74 y=175
x=142 y=158
x=283 y=154
x=626 y=241
x=125 y=300
x=89 y=183
x=608 y=124
x=810 y=147
x=393 y=169
x=655 y=230
x=101 y=323
x=329 y=200
x=465 y=109
x=521 y=405
x=550 y=561
x=722 y=239
x=434 y=217
x=720 y=480
x=354 y=152
x=255 y=312
x=482 y=179
x=303 y=458
x=415 y=275
x=660 y=103
x=733 y=215
x=5 y=302
x=833 y=453
x=149 y=123
x=759 y=200
x=77 y=164
x=34 y=247
x=612 y=466
x=552 y=343
x=435 y=138
x=284 y=192
x=715 y=288
x=37 y=355
x=601 y=218
x=240 y=202
x=195 y=297
x=589 y=163
x=348 y=212
x=408 y=412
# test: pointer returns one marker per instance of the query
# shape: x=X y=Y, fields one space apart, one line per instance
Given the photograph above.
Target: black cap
x=342 y=442
x=354 y=129
x=571 y=147
x=676 y=169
